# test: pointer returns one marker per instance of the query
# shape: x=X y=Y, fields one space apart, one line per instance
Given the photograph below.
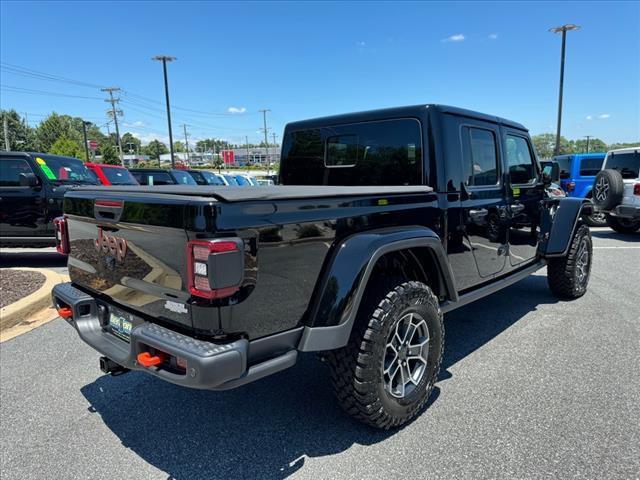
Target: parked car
x=111 y=174
x=205 y=177
x=32 y=186
x=230 y=179
x=264 y=182
x=577 y=173
x=617 y=189
x=371 y=237
x=159 y=176
x=245 y=181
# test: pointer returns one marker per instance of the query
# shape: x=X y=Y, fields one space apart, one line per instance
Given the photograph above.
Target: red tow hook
x=147 y=360
x=65 y=312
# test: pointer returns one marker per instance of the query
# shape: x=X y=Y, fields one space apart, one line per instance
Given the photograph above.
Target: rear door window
x=387 y=152
x=480 y=157
x=10 y=170
x=520 y=161
x=589 y=167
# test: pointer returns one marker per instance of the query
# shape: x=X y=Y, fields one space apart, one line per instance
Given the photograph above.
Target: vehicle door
x=483 y=196
x=22 y=208
x=524 y=195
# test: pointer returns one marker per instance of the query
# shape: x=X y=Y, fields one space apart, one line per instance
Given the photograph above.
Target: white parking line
x=610 y=248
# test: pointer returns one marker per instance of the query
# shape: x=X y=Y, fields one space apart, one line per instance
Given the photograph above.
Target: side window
x=589 y=167
x=480 y=157
x=10 y=170
x=342 y=151
x=519 y=160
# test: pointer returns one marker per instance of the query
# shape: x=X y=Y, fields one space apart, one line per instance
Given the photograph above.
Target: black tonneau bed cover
x=245 y=194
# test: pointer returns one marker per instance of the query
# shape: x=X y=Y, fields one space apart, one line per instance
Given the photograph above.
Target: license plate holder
x=121 y=324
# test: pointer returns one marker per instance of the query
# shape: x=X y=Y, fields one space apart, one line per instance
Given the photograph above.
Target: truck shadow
x=32 y=259
x=268 y=429
x=611 y=235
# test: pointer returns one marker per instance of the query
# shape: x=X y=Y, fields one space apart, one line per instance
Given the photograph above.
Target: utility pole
x=246 y=143
x=266 y=139
x=186 y=141
x=164 y=59
x=588 y=137
x=564 y=30
x=86 y=141
x=114 y=114
x=273 y=135
x=5 y=123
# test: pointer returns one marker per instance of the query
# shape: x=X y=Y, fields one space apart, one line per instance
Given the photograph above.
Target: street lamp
x=564 y=29
x=164 y=59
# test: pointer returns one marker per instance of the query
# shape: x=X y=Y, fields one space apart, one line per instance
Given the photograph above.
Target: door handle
x=478 y=213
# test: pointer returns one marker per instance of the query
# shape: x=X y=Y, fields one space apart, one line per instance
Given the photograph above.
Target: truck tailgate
x=131 y=250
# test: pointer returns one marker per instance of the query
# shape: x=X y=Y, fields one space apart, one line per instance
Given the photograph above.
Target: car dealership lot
x=530 y=387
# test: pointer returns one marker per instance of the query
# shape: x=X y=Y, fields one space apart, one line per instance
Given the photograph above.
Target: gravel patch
x=17 y=284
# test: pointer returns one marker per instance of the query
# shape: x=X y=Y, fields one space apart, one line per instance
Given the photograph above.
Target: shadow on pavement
x=611 y=235
x=44 y=259
x=266 y=429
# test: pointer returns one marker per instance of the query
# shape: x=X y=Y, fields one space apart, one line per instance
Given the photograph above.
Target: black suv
x=32 y=186
x=385 y=220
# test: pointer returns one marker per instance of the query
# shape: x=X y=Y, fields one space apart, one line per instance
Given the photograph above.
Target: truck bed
x=276 y=192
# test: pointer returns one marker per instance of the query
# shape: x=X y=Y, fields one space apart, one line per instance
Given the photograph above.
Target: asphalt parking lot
x=530 y=388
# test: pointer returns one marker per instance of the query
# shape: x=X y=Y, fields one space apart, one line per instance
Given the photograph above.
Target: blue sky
x=308 y=59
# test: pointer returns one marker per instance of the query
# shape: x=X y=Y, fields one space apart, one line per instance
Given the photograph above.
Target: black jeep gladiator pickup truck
x=385 y=220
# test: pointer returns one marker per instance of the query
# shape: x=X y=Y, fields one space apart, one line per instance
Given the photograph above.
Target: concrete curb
x=24 y=308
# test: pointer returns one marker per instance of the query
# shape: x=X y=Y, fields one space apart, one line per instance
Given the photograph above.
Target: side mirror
x=550 y=172
x=28 y=180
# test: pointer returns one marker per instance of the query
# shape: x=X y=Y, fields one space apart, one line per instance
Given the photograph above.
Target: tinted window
x=480 y=158
x=231 y=179
x=242 y=181
x=519 y=160
x=565 y=166
x=119 y=176
x=183 y=178
x=198 y=177
x=10 y=170
x=154 y=178
x=591 y=166
x=211 y=178
x=628 y=164
x=64 y=169
x=372 y=153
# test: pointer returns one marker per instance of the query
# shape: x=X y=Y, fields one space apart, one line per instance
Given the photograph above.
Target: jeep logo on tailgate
x=116 y=246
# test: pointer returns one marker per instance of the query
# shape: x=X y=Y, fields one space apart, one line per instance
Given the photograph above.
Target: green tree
x=130 y=144
x=154 y=149
x=614 y=146
x=110 y=155
x=66 y=147
x=56 y=126
x=179 y=147
x=21 y=136
x=595 y=145
x=545 y=144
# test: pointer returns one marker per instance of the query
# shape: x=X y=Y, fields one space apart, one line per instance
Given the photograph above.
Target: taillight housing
x=215 y=267
x=571 y=186
x=636 y=189
x=61 y=230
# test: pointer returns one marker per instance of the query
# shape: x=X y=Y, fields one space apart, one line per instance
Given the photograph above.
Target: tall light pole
x=588 y=137
x=564 y=29
x=164 y=59
x=86 y=140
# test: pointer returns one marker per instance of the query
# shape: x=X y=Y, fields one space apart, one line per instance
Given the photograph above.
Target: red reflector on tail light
x=636 y=189
x=198 y=255
x=571 y=186
x=109 y=203
x=61 y=230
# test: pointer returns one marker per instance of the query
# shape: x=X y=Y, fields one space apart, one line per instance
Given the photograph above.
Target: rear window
x=119 y=176
x=231 y=179
x=183 y=178
x=154 y=178
x=565 y=166
x=198 y=177
x=628 y=163
x=589 y=167
x=385 y=152
x=211 y=178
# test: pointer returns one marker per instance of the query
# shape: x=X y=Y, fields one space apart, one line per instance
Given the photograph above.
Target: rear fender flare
x=333 y=314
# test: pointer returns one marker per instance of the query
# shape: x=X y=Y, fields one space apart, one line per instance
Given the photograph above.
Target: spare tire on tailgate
x=608 y=188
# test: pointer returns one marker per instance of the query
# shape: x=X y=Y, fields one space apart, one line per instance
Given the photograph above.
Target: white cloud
x=589 y=117
x=604 y=115
x=148 y=137
x=137 y=124
x=458 y=37
x=493 y=36
x=236 y=110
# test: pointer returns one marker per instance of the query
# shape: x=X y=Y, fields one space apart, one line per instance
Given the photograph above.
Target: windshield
x=119 y=176
x=198 y=177
x=64 y=169
x=231 y=179
x=183 y=178
x=628 y=163
x=242 y=181
x=212 y=178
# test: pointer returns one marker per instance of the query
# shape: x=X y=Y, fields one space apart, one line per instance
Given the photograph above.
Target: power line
x=27 y=72
x=11 y=88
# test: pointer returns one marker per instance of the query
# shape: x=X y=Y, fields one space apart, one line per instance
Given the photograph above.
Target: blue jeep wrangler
x=577 y=173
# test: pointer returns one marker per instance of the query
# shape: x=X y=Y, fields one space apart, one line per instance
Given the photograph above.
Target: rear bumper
x=209 y=365
x=626 y=211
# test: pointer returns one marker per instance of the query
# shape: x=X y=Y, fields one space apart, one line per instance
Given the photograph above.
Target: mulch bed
x=17 y=284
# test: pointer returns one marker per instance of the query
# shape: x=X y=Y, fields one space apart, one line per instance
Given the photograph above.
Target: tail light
x=61 y=229
x=215 y=267
x=636 y=189
x=571 y=186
